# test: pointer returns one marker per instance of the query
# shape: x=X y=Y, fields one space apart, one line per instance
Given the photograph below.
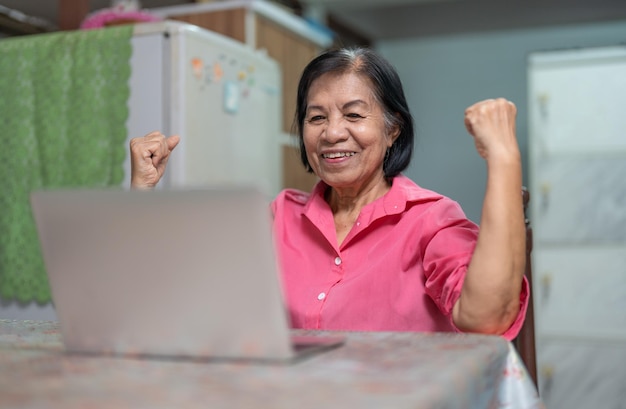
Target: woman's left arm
x=490 y=297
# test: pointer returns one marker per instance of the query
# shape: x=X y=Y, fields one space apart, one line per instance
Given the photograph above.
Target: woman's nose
x=335 y=130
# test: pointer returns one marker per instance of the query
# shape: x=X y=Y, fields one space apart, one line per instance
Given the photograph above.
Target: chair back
x=525 y=341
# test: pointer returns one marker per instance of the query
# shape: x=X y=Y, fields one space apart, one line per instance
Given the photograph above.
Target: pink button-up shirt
x=401 y=267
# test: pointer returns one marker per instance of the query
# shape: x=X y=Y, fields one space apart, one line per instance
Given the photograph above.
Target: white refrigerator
x=221 y=96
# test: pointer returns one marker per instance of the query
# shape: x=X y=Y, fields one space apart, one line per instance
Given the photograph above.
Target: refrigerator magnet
x=198 y=67
x=231 y=97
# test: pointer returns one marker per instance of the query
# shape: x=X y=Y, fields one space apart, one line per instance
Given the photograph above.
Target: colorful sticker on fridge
x=218 y=72
x=198 y=67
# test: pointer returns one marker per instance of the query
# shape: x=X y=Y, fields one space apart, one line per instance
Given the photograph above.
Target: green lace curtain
x=63 y=111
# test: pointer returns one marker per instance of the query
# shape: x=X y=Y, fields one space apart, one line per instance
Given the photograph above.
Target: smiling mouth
x=335 y=155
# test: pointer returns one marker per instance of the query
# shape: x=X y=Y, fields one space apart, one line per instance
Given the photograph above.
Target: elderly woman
x=368 y=249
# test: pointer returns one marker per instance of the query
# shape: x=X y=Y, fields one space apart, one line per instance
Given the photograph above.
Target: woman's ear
x=393 y=134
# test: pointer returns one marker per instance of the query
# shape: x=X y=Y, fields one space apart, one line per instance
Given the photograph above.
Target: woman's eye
x=354 y=116
x=316 y=118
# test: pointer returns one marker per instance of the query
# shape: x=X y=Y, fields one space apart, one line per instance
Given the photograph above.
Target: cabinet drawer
x=577 y=99
x=580 y=291
x=577 y=199
x=582 y=375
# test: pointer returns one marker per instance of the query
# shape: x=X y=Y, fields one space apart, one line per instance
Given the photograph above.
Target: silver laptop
x=178 y=273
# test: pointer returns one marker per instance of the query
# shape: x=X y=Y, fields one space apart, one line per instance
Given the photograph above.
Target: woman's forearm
x=489 y=301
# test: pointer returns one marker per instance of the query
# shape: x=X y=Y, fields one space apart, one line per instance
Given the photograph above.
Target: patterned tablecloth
x=371 y=370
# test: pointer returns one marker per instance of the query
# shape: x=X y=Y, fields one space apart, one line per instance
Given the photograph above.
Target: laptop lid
x=164 y=272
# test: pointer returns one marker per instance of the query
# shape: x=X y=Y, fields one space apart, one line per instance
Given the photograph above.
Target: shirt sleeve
x=447 y=254
x=524 y=298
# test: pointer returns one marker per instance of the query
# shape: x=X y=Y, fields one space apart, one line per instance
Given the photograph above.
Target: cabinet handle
x=542 y=100
x=546 y=284
x=547 y=374
x=545 y=195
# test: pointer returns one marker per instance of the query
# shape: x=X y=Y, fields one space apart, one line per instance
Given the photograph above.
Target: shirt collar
x=402 y=193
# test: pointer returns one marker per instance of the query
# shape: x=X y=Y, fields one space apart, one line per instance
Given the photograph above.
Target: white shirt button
x=337 y=261
x=321 y=296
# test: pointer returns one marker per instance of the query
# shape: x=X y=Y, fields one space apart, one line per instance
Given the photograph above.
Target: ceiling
x=392 y=19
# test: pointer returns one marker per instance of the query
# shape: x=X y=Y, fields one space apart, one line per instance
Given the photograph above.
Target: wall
x=445 y=74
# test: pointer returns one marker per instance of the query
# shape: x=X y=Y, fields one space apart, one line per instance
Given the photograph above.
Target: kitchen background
x=450 y=54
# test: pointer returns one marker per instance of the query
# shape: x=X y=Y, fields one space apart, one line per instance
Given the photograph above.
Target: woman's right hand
x=148 y=158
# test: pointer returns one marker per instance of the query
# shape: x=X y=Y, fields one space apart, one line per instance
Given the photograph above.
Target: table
x=371 y=370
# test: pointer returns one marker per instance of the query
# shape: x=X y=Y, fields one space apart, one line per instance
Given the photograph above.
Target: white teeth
x=335 y=155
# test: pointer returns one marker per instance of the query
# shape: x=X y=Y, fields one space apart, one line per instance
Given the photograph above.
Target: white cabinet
x=577 y=157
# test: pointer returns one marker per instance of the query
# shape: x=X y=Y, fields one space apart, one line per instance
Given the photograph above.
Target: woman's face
x=344 y=132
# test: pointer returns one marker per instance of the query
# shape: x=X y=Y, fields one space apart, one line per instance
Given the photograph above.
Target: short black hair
x=387 y=90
